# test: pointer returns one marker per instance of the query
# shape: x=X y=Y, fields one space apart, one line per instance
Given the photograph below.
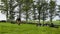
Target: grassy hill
x=7 y=28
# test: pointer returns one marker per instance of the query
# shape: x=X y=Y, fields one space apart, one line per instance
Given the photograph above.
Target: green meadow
x=8 y=28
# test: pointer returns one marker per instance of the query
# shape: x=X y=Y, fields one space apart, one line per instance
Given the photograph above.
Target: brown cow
x=18 y=20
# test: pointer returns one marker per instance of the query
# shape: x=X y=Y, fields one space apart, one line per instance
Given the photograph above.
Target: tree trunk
x=20 y=12
x=39 y=18
x=51 y=18
x=43 y=18
x=26 y=16
x=7 y=16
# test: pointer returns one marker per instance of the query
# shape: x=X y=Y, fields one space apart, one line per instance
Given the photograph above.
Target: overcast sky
x=3 y=17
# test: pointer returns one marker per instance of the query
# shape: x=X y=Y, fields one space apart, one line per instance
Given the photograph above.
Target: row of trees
x=40 y=9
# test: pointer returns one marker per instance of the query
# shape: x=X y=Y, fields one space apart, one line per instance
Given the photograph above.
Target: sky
x=58 y=2
x=3 y=17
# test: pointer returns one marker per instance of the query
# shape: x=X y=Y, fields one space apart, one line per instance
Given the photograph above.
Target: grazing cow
x=18 y=20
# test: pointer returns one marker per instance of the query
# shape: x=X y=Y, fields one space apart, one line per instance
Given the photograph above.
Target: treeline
x=39 y=9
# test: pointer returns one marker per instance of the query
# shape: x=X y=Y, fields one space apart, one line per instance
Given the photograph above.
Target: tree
x=44 y=10
x=52 y=6
x=34 y=10
x=27 y=7
x=11 y=9
x=39 y=7
x=20 y=2
x=6 y=6
x=59 y=11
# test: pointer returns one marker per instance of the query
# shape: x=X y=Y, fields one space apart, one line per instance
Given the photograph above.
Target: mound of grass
x=7 y=28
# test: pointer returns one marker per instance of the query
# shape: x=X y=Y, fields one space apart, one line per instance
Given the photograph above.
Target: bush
x=3 y=21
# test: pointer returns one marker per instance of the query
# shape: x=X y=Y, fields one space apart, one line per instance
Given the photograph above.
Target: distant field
x=7 y=28
x=55 y=22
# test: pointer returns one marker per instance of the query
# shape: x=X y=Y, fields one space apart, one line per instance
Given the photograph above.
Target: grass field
x=7 y=28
